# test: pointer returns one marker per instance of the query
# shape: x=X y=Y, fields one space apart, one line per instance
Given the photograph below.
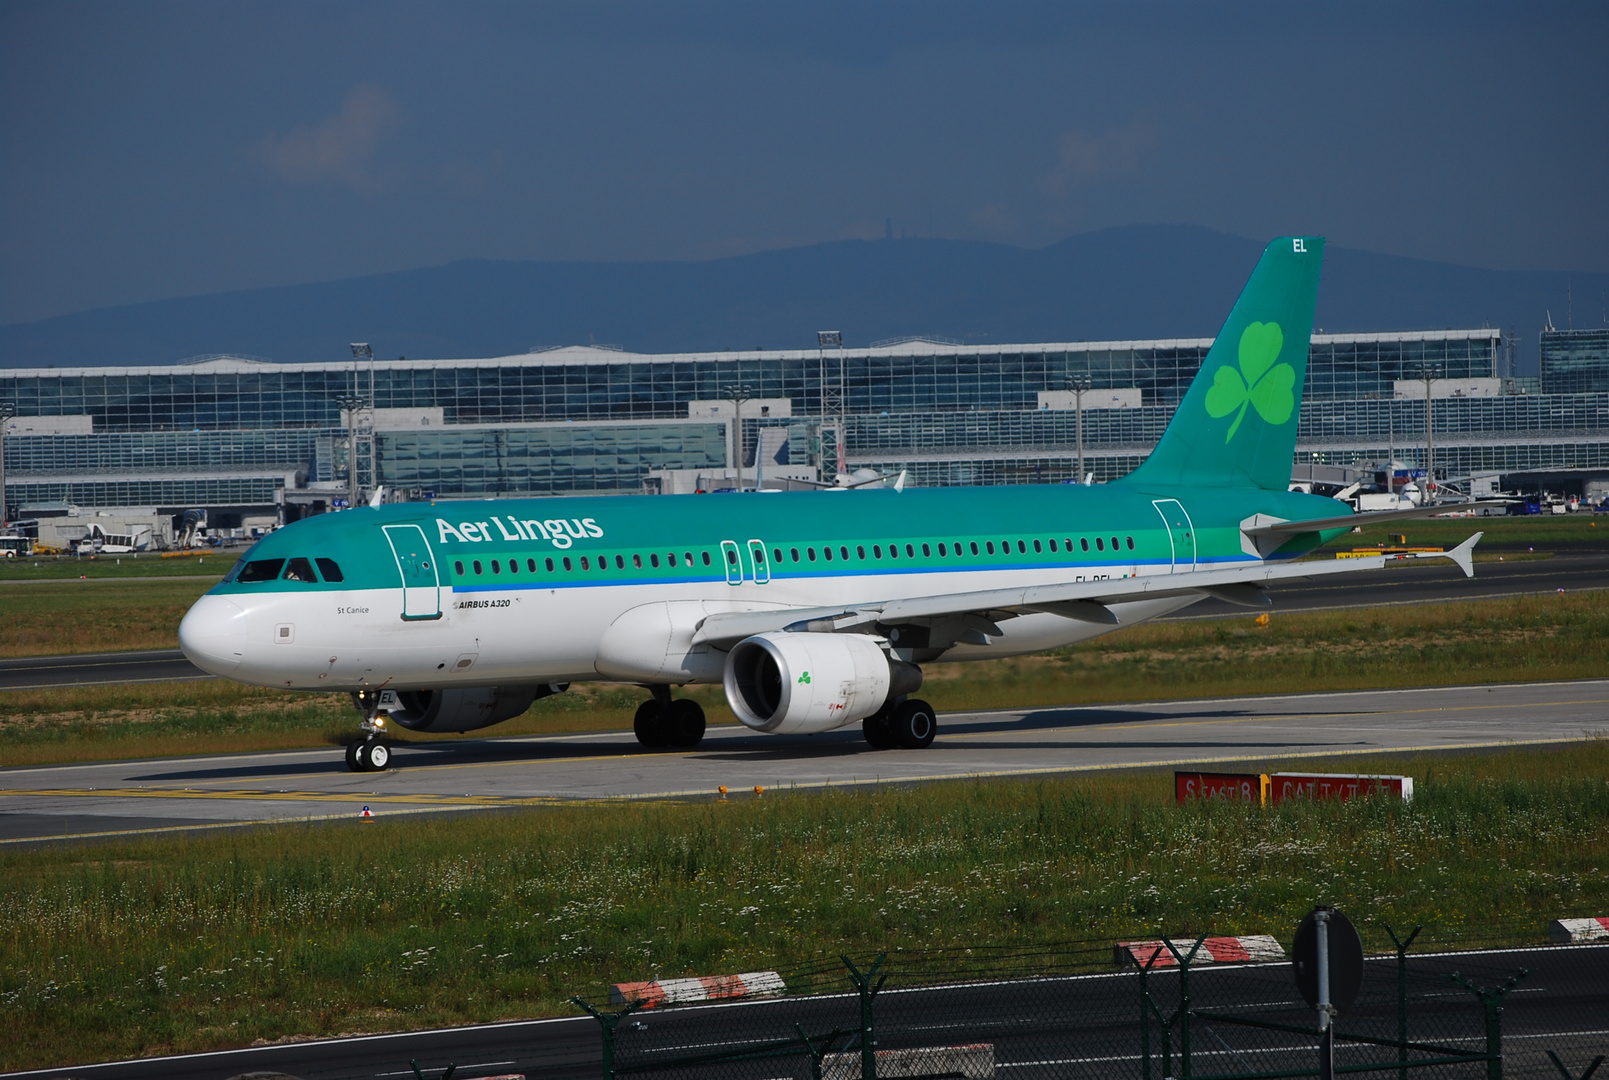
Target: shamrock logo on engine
x=1260 y=382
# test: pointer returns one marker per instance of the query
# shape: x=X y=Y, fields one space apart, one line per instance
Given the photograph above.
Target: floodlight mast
x=8 y=409
x=351 y=403
x=832 y=396
x=1078 y=386
x=739 y=393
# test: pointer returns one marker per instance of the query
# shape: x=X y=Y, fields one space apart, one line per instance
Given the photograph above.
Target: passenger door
x=734 y=563
x=758 y=563
x=421 y=584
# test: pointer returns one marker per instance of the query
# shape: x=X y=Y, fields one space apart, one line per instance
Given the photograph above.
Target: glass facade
x=1575 y=361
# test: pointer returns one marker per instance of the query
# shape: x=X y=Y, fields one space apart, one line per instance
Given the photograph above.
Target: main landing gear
x=370 y=752
x=662 y=723
x=907 y=725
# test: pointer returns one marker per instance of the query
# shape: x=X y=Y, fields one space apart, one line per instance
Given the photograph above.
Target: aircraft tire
x=377 y=754
x=685 y=723
x=650 y=727
x=879 y=729
x=353 y=749
x=915 y=724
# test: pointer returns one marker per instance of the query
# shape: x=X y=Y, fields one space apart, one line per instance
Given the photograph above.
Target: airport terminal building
x=255 y=442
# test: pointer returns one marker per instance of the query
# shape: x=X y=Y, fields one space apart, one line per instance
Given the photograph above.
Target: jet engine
x=462 y=709
x=796 y=683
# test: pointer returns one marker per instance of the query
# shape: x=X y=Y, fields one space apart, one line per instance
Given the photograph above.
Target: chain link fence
x=1077 y=1011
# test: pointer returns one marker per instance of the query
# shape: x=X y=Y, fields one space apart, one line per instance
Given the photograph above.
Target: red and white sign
x=1240 y=787
x=1252 y=948
x=1579 y=931
x=1283 y=786
x=707 y=988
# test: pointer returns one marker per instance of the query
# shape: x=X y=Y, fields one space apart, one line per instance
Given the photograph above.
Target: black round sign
x=1346 y=959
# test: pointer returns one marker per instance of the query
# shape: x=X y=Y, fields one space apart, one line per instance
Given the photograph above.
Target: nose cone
x=213 y=635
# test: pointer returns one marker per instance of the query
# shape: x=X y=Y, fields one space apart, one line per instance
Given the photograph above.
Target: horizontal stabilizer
x=1373 y=517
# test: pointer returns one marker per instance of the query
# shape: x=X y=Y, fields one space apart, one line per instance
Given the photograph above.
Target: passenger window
x=942 y=552
x=620 y=562
x=530 y=564
x=927 y=552
x=549 y=565
x=478 y=569
x=844 y=552
x=826 y=553
x=1084 y=542
x=636 y=560
x=1037 y=548
x=498 y=569
x=261 y=570
x=1022 y=546
x=653 y=560
x=672 y=558
x=795 y=552
x=975 y=547
x=300 y=570
x=1131 y=543
x=731 y=556
x=1099 y=544
x=988 y=545
x=706 y=558
x=860 y=551
x=585 y=565
x=877 y=551
x=567 y=565
x=329 y=570
x=893 y=551
x=1053 y=543
x=810 y=553
x=514 y=564
x=1114 y=543
x=688 y=555
x=458 y=568
x=776 y=554
x=603 y=563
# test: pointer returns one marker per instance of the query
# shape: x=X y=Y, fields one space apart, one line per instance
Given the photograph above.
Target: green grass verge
x=95 y=567
x=170 y=944
x=82 y=617
x=1505 y=640
x=1554 y=532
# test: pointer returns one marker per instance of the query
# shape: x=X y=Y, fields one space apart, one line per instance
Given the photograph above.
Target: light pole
x=350 y=404
x=1428 y=374
x=738 y=395
x=7 y=411
x=1078 y=386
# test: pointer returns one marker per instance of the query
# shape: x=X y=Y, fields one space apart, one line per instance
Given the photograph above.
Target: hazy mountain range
x=1150 y=281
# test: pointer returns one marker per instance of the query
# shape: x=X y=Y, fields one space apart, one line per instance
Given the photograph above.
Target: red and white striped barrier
x=1252 y=948
x=1579 y=931
x=707 y=988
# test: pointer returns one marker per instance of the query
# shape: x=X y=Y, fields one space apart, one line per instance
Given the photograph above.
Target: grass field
x=94 y=616
x=146 y=564
x=186 y=944
x=1508 y=640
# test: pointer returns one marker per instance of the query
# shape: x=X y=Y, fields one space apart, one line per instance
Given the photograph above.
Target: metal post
x=1326 y=1027
x=608 y=1022
x=7 y=411
x=832 y=394
x=739 y=394
x=868 y=1035
x=1183 y=1016
x=1402 y=996
x=1492 y=1002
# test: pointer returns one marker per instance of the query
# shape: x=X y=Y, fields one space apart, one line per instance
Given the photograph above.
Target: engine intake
x=795 y=683
x=464 y=709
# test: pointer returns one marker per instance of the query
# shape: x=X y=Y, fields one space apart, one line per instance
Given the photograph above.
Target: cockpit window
x=234 y=571
x=300 y=570
x=260 y=570
x=330 y=571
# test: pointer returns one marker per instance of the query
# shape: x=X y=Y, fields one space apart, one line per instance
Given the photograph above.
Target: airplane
x=815 y=610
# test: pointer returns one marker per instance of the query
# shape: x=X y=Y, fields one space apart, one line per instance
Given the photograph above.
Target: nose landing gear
x=370 y=752
x=663 y=723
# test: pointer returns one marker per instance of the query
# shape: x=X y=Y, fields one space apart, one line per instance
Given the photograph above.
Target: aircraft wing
x=974 y=616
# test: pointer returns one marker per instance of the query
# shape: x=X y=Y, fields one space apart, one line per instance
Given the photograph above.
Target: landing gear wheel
x=914 y=724
x=352 y=761
x=685 y=725
x=650 y=725
x=879 y=729
x=378 y=755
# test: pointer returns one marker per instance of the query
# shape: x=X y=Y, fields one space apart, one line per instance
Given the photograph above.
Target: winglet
x=1464 y=555
x=899 y=484
x=378 y=497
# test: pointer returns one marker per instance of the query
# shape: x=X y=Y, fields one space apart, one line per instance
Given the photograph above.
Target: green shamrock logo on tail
x=1260 y=383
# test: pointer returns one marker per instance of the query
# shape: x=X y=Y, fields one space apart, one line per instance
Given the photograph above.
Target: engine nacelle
x=461 y=709
x=795 y=683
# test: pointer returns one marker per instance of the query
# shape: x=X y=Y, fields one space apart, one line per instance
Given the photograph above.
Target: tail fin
x=1236 y=426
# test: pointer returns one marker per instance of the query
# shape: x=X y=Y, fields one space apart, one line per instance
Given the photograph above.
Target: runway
x=1423 y=583
x=122 y=798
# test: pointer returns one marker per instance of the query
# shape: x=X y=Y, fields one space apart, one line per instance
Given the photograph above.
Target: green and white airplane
x=815 y=609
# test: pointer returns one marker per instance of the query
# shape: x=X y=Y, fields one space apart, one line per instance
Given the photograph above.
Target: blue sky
x=154 y=150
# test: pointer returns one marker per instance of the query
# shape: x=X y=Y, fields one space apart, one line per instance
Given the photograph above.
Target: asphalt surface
x=119 y=797
x=1420 y=583
x=1072 y=1026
